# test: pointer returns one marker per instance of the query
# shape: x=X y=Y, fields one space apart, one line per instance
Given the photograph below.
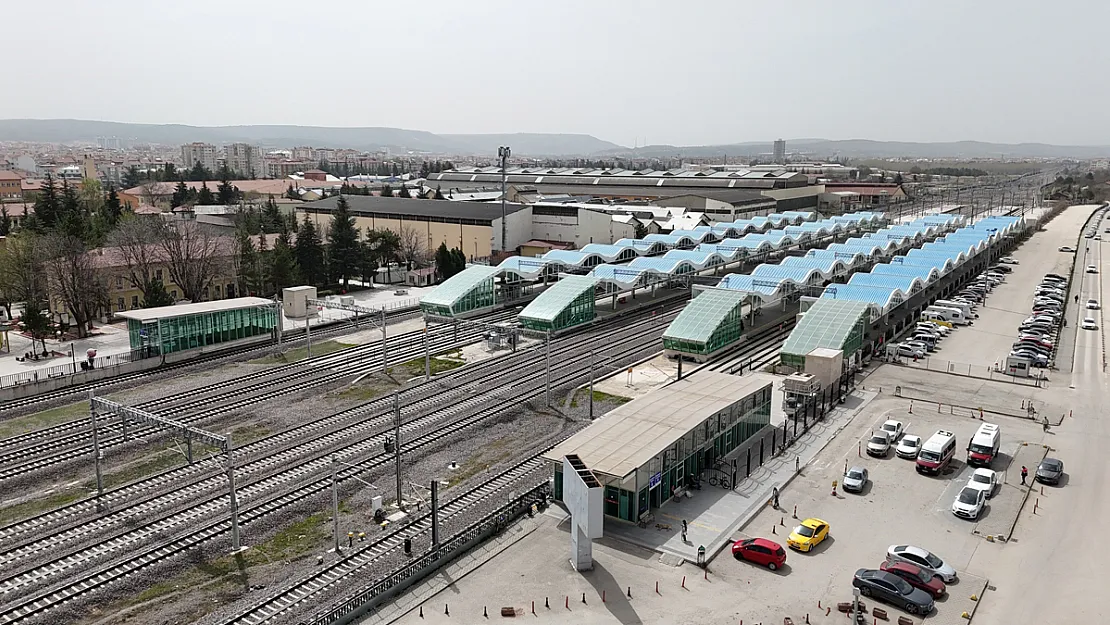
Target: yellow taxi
x=808 y=535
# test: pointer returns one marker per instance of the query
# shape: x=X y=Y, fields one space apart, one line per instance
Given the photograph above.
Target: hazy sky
x=688 y=72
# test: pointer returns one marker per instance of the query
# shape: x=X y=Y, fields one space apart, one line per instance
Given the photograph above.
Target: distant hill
x=523 y=144
x=367 y=138
x=857 y=148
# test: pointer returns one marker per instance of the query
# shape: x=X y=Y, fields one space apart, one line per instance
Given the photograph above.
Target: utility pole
x=547 y=377
x=591 y=385
x=335 y=503
x=385 y=359
x=235 y=546
x=435 y=517
x=503 y=153
x=397 y=443
x=96 y=456
x=307 y=338
x=427 y=353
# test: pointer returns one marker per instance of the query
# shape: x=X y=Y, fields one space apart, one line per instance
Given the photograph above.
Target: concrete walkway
x=714 y=514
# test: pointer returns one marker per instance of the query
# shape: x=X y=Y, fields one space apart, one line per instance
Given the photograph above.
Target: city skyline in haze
x=704 y=73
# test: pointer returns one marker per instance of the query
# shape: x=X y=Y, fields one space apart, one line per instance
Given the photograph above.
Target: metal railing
x=74 y=366
x=384 y=589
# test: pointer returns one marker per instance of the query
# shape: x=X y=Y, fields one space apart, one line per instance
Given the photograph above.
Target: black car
x=892 y=589
x=1050 y=470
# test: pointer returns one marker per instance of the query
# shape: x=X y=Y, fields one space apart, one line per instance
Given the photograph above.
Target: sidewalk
x=714 y=514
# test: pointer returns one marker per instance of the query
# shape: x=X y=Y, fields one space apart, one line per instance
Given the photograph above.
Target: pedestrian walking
x=1024 y=474
x=775 y=493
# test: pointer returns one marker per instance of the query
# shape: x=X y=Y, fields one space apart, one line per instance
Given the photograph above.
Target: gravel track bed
x=524 y=432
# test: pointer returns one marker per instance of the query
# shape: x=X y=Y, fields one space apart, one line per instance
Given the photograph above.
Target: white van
x=955 y=316
x=937 y=319
x=962 y=307
x=936 y=453
x=983 y=447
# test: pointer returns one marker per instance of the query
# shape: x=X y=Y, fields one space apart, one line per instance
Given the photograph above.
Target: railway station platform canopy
x=169 y=329
x=710 y=322
x=638 y=451
x=829 y=323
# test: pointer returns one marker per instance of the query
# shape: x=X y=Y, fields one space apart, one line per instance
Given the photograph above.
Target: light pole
x=503 y=153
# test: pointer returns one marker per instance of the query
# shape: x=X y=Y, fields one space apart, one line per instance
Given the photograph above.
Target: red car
x=917 y=577
x=761 y=551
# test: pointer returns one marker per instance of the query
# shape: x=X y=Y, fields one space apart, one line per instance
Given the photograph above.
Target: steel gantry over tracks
x=370 y=313
x=99 y=405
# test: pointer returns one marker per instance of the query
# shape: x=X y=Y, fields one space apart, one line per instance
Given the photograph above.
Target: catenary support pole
x=435 y=516
x=547 y=377
x=231 y=495
x=591 y=385
x=397 y=445
x=385 y=355
x=307 y=338
x=96 y=456
x=335 y=502
x=427 y=353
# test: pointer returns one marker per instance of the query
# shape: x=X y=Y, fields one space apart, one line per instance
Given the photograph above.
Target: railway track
x=234 y=353
x=35 y=451
x=313 y=588
x=630 y=342
x=758 y=351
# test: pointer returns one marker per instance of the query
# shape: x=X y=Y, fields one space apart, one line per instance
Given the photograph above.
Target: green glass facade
x=176 y=334
x=697 y=450
x=829 y=323
x=713 y=320
x=472 y=289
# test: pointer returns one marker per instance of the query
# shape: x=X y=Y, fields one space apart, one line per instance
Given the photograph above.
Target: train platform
x=714 y=514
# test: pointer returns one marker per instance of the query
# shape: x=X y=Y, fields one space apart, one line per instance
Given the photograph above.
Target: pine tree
x=309 y=253
x=283 y=265
x=387 y=191
x=72 y=219
x=458 y=259
x=444 y=263
x=404 y=192
x=425 y=170
x=47 y=206
x=249 y=275
x=204 y=196
x=169 y=172
x=5 y=222
x=199 y=172
x=264 y=285
x=271 y=216
x=155 y=295
x=226 y=193
x=439 y=194
x=131 y=178
x=343 y=247
x=180 y=194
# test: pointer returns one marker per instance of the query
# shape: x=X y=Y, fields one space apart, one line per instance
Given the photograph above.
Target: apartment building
x=11 y=186
x=203 y=153
x=245 y=160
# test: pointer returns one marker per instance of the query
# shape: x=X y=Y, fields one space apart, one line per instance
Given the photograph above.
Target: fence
x=397 y=581
x=74 y=366
x=983 y=372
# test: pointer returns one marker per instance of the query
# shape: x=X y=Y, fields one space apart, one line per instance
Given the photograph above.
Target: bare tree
x=149 y=190
x=411 y=249
x=73 y=281
x=194 y=255
x=138 y=241
x=21 y=275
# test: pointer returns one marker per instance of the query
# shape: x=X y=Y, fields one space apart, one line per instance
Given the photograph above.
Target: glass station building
x=169 y=329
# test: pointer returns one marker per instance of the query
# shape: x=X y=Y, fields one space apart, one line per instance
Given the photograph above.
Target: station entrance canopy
x=169 y=329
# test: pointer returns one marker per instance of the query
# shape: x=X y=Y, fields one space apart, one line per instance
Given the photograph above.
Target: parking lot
x=897 y=506
x=986 y=343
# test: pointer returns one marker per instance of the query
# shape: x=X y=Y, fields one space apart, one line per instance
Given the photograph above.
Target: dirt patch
x=300 y=353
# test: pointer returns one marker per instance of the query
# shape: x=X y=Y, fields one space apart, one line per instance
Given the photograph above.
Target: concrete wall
x=519 y=230
x=584 y=227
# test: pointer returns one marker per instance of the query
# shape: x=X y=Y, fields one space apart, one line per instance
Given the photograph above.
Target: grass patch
x=28 y=509
x=358 y=393
x=148 y=466
x=487 y=456
x=599 y=397
x=300 y=353
x=44 y=419
x=438 y=365
x=247 y=433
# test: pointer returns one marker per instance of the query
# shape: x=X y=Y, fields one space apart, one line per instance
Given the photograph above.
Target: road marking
x=689 y=523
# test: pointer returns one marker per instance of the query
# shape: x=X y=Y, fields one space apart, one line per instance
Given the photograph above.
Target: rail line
x=630 y=342
x=342 y=326
x=51 y=446
x=760 y=347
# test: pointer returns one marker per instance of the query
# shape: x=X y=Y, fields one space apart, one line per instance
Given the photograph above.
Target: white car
x=878 y=444
x=984 y=480
x=922 y=558
x=1065 y=248
x=1092 y=269
x=1089 y=324
x=1092 y=304
x=969 y=503
x=1008 y=260
x=893 y=428
x=908 y=447
x=910 y=352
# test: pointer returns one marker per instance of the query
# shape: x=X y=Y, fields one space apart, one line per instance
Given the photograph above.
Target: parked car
x=808 y=535
x=985 y=480
x=908 y=447
x=1089 y=324
x=761 y=551
x=854 y=479
x=917 y=577
x=1049 y=471
x=1092 y=304
x=893 y=428
x=909 y=351
x=892 y=589
x=924 y=346
x=1008 y=260
x=1065 y=248
x=922 y=558
x=879 y=444
x=1092 y=269
x=1039 y=360
x=969 y=503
